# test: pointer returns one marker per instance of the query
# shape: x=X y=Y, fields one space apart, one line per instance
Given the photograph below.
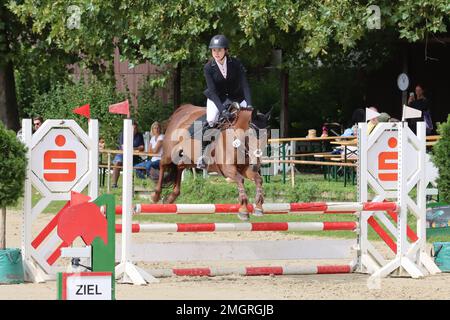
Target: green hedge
x=150 y=106
x=12 y=167
x=59 y=102
x=441 y=158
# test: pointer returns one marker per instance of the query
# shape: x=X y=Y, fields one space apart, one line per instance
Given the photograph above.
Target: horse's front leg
x=252 y=174
x=243 y=199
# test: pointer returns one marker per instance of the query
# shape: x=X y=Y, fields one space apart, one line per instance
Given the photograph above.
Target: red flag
x=83 y=110
x=120 y=108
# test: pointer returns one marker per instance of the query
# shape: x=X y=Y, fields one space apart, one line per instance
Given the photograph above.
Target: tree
x=12 y=171
x=441 y=159
x=174 y=32
x=28 y=65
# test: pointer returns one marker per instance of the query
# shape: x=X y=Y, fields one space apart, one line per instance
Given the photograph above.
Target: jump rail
x=227 y=227
x=253 y=271
x=270 y=208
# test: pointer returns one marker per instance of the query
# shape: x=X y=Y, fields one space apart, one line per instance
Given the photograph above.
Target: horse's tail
x=170 y=175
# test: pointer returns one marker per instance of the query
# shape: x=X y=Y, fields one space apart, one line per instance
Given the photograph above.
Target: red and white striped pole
x=270 y=208
x=227 y=227
x=252 y=271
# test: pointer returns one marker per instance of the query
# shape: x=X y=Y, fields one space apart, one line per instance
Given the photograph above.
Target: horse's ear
x=267 y=115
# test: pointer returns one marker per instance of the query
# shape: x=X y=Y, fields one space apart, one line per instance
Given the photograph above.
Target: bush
x=59 y=102
x=151 y=107
x=441 y=158
x=12 y=167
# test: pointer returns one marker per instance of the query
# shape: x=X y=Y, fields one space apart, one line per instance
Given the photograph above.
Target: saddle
x=222 y=123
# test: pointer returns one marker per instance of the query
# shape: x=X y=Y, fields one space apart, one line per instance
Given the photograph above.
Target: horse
x=233 y=153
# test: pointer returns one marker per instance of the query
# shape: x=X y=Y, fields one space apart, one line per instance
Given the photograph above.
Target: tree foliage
x=12 y=167
x=171 y=32
x=61 y=99
x=441 y=158
x=174 y=31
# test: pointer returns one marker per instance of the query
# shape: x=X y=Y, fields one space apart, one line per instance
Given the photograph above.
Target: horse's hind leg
x=177 y=187
x=157 y=194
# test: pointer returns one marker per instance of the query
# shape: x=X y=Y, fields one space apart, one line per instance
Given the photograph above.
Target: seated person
x=372 y=122
x=383 y=117
x=138 y=145
x=359 y=115
x=155 y=147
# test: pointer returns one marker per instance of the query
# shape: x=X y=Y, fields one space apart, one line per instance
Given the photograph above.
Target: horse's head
x=261 y=120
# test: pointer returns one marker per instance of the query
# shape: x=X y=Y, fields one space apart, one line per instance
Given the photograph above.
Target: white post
x=31 y=272
x=292 y=164
x=93 y=158
x=364 y=263
x=127 y=185
x=422 y=257
x=126 y=270
x=402 y=190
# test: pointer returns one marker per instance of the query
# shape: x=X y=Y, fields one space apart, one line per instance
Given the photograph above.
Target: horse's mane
x=184 y=114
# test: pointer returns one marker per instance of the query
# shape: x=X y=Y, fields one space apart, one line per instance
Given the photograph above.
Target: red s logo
x=67 y=170
x=392 y=166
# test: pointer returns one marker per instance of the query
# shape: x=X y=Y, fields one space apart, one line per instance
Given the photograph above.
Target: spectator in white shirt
x=155 y=147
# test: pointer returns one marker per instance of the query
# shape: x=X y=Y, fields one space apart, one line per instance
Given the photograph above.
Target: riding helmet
x=219 y=41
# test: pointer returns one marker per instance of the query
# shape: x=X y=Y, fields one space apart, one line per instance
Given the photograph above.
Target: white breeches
x=212 y=112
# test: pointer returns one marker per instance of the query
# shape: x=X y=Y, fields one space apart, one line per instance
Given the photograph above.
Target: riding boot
x=201 y=163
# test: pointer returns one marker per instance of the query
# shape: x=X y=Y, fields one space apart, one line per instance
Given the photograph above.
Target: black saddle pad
x=200 y=121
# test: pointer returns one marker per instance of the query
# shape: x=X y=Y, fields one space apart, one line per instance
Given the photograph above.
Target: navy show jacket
x=234 y=88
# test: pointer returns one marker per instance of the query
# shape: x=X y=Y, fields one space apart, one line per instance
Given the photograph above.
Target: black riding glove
x=226 y=114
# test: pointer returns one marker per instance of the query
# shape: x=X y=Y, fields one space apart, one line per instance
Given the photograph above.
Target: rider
x=226 y=83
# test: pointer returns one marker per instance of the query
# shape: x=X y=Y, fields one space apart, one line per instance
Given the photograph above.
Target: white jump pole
x=93 y=158
x=126 y=271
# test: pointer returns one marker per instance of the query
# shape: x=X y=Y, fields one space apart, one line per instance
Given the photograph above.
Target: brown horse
x=234 y=153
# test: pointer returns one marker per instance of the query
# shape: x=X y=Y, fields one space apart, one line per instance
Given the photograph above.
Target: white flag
x=409 y=113
x=371 y=114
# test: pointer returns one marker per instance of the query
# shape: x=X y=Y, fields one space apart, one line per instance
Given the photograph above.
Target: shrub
x=441 y=158
x=151 y=107
x=12 y=167
x=59 y=102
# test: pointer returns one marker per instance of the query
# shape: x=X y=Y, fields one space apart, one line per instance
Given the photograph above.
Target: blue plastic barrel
x=11 y=268
x=442 y=255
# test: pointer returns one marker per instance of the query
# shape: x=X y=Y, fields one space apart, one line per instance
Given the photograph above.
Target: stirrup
x=201 y=164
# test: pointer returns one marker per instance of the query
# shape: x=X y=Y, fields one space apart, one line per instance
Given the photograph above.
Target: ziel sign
x=85 y=286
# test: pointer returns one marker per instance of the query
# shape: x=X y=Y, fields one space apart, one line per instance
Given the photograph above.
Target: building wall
x=128 y=78
x=133 y=78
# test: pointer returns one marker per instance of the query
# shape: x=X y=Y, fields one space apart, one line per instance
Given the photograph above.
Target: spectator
x=37 y=123
x=420 y=102
x=138 y=145
x=101 y=143
x=359 y=115
x=384 y=117
x=156 y=141
x=372 y=122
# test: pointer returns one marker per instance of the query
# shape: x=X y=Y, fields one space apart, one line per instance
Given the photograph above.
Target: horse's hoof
x=244 y=216
x=258 y=212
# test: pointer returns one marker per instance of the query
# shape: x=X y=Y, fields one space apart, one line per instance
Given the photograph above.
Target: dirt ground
x=341 y=286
